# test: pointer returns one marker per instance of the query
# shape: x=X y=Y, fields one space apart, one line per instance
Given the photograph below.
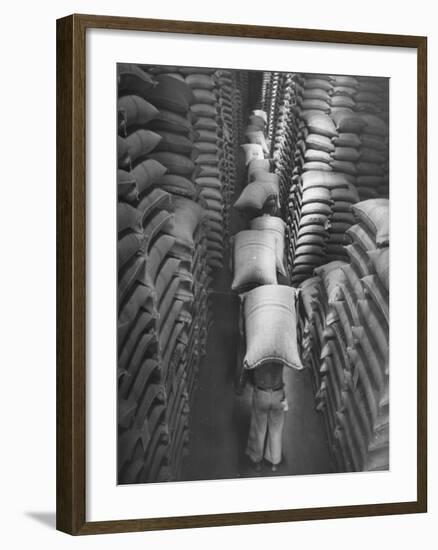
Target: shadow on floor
x=45 y=518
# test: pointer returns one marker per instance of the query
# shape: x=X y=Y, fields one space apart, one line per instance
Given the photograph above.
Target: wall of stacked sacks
x=178 y=135
x=313 y=197
x=317 y=179
x=268 y=317
x=344 y=330
x=330 y=147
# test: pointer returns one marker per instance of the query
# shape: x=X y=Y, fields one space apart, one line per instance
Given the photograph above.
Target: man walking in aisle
x=267 y=416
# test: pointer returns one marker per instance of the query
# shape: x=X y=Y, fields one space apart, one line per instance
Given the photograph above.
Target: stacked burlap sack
x=268 y=309
x=261 y=194
x=337 y=142
x=284 y=139
x=162 y=271
x=372 y=102
x=344 y=334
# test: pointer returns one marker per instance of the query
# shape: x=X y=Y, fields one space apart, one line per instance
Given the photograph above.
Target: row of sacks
x=285 y=133
x=339 y=144
x=268 y=308
x=163 y=276
x=218 y=99
x=344 y=335
x=320 y=213
x=258 y=252
x=261 y=194
x=156 y=327
x=356 y=140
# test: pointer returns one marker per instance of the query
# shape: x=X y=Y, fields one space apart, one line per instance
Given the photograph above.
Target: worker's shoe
x=256 y=466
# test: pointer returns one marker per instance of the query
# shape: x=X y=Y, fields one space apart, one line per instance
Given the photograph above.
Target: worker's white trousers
x=266 y=429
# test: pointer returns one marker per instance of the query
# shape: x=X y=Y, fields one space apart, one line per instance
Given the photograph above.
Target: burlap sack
x=320 y=123
x=277 y=226
x=174 y=162
x=159 y=250
x=315 y=93
x=252 y=151
x=255 y=195
x=126 y=186
x=262 y=175
x=375 y=290
x=374 y=125
x=204 y=96
x=205 y=123
x=128 y=218
x=321 y=143
x=188 y=214
x=175 y=143
x=148 y=173
x=316 y=194
x=346 y=139
x=344 y=167
x=348 y=122
x=380 y=259
x=170 y=94
x=374 y=214
x=258 y=164
x=204 y=110
x=345 y=80
x=317 y=83
x=258 y=138
x=342 y=101
x=317 y=166
x=177 y=185
x=349 y=154
x=271 y=326
x=315 y=155
x=169 y=121
x=201 y=81
x=136 y=110
x=261 y=114
x=331 y=180
x=140 y=143
x=132 y=79
x=127 y=247
x=254 y=259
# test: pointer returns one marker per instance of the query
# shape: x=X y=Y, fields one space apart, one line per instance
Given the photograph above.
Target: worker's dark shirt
x=268 y=376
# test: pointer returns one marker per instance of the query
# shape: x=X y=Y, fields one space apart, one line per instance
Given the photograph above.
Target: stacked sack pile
x=268 y=309
x=330 y=158
x=345 y=340
x=372 y=102
x=284 y=143
x=169 y=154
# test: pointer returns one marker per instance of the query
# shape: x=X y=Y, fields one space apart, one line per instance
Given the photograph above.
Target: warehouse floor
x=220 y=418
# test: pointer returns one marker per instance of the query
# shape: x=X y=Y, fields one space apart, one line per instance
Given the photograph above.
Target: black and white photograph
x=253 y=273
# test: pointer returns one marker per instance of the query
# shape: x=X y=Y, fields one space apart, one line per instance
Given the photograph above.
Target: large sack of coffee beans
x=277 y=226
x=254 y=259
x=271 y=326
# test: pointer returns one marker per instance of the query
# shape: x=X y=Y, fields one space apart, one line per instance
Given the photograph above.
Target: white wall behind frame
x=28 y=243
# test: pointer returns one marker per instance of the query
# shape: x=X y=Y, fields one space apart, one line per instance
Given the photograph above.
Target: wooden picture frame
x=71 y=273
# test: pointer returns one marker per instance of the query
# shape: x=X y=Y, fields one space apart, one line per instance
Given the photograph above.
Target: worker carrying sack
x=271 y=326
x=254 y=259
x=256 y=195
x=261 y=114
x=253 y=151
x=277 y=227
